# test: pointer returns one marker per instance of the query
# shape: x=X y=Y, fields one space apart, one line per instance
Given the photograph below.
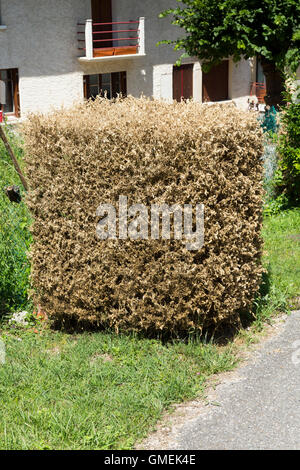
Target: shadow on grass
x=266 y=302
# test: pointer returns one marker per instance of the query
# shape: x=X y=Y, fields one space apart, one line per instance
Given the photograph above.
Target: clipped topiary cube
x=151 y=153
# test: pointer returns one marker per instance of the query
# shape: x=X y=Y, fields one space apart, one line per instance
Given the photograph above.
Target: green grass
x=14 y=236
x=282 y=245
x=280 y=290
x=95 y=391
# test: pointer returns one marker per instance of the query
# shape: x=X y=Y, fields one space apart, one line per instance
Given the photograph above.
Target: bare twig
x=13 y=158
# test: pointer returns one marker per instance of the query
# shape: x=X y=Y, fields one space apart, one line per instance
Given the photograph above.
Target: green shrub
x=288 y=173
x=153 y=153
x=274 y=202
x=14 y=238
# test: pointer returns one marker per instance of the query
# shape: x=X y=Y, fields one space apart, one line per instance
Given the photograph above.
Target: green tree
x=218 y=29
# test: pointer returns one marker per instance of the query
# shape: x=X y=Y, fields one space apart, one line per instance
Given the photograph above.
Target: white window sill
x=3 y=27
x=12 y=120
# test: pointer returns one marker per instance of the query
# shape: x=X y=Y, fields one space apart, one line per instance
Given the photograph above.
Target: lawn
x=14 y=236
x=282 y=245
x=94 y=391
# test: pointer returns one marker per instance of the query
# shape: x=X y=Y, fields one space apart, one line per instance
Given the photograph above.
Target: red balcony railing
x=111 y=39
x=259 y=90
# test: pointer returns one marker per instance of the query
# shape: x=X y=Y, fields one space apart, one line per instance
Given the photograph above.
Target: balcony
x=111 y=41
x=259 y=90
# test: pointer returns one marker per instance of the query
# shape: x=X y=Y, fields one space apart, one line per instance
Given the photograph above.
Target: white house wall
x=241 y=75
x=41 y=42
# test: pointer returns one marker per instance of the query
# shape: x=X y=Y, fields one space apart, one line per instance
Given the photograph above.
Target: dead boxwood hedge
x=152 y=152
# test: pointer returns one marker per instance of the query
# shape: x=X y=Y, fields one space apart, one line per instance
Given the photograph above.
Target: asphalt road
x=261 y=410
x=257 y=407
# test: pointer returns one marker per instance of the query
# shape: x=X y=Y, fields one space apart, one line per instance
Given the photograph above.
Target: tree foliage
x=218 y=29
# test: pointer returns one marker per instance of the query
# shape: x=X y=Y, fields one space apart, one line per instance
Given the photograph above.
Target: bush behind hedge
x=288 y=174
x=151 y=152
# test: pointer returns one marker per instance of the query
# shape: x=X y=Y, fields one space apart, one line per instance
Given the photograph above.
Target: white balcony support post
x=142 y=35
x=89 y=51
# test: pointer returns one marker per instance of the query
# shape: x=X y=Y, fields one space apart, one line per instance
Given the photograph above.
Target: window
x=2 y=27
x=105 y=84
x=183 y=82
x=260 y=77
x=9 y=88
x=215 y=83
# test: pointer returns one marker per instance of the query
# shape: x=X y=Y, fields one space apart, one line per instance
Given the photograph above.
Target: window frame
x=122 y=79
x=258 y=71
x=2 y=25
x=15 y=92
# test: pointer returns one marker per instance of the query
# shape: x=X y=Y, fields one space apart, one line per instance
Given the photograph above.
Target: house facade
x=55 y=53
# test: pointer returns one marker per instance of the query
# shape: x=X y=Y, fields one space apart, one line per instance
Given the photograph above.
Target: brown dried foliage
x=152 y=152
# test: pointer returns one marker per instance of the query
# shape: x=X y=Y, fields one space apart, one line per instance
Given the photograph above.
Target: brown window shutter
x=123 y=81
x=86 y=87
x=16 y=95
x=176 y=83
x=215 y=83
x=118 y=81
x=100 y=83
x=183 y=82
x=115 y=84
x=102 y=13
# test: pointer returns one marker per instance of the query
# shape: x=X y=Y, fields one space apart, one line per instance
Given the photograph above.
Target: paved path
x=259 y=405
